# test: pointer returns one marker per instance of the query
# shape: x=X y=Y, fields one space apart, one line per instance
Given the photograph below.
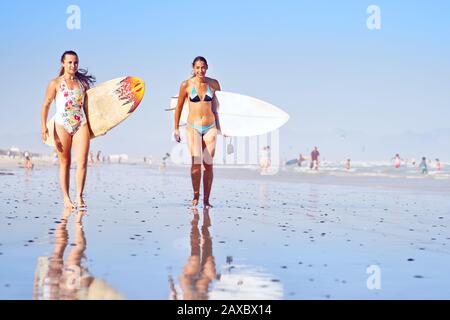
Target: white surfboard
x=240 y=115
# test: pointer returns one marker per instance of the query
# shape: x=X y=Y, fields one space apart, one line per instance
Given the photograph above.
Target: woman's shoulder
x=55 y=82
x=185 y=83
x=213 y=82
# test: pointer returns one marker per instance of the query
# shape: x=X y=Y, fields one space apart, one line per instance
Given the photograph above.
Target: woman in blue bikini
x=202 y=126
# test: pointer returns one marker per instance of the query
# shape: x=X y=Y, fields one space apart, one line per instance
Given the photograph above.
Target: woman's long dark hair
x=87 y=80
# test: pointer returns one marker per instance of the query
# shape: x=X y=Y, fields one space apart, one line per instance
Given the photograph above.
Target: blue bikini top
x=194 y=94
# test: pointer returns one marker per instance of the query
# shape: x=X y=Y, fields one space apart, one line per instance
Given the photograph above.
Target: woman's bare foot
x=68 y=204
x=206 y=204
x=80 y=202
x=195 y=200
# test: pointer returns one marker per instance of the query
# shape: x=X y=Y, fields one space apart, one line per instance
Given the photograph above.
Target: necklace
x=70 y=78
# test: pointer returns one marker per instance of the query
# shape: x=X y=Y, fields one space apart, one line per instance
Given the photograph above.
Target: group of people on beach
x=314 y=163
x=71 y=129
x=423 y=165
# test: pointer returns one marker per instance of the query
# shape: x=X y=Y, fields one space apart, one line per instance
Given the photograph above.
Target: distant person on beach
x=315 y=159
x=28 y=164
x=68 y=90
x=265 y=160
x=347 y=165
x=163 y=161
x=99 y=159
x=300 y=160
x=397 y=160
x=202 y=126
x=200 y=269
x=438 y=165
x=423 y=166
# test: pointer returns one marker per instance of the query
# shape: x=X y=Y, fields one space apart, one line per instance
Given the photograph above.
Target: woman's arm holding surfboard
x=181 y=97
x=215 y=103
x=86 y=108
x=49 y=97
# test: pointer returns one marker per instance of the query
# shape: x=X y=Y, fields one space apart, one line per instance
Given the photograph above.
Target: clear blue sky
x=347 y=88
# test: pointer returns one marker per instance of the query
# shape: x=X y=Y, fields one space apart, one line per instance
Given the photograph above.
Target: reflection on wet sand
x=200 y=268
x=246 y=282
x=312 y=208
x=200 y=280
x=57 y=278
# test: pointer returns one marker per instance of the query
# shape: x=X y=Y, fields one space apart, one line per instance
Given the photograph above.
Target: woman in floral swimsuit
x=69 y=91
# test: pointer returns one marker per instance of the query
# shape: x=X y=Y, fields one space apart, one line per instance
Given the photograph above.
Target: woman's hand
x=176 y=135
x=44 y=132
x=219 y=131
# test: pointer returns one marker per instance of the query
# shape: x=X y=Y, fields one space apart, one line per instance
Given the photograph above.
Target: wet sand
x=268 y=237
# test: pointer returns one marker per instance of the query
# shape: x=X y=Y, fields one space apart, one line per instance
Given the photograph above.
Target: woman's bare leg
x=81 y=141
x=63 y=149
x=194 y=141
x=209 y=149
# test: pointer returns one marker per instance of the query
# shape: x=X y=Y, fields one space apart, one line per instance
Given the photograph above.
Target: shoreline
x=427 y=183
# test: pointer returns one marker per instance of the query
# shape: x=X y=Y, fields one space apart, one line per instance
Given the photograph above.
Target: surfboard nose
x=132 y=90
x=138 y=88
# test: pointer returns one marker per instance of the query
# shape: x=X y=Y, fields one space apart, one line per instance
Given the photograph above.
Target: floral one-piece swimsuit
x=69 y=107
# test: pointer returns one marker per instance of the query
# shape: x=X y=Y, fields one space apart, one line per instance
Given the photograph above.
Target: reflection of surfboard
x=244 y=282
x=242 y=115
x=109 y=104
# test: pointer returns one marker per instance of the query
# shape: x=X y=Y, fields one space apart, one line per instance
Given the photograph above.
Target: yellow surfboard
x=108 y=104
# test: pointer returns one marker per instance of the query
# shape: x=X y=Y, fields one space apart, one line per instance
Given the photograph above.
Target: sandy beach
x=284 y=236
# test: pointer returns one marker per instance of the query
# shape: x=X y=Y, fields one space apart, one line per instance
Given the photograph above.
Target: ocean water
x=375 y=169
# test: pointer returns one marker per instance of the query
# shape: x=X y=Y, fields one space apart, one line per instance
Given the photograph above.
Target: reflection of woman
x=200 y=269
x=202 y=125
x=67 y=279
x=62 y=278
x=69 y=91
